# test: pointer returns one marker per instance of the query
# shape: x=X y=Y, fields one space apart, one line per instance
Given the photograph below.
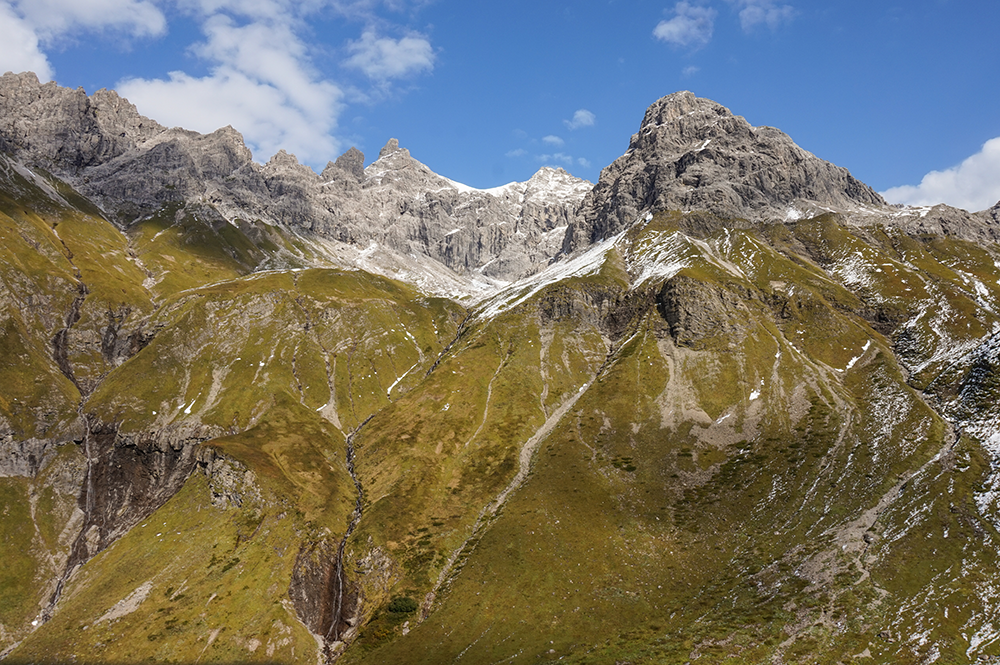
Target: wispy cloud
x=261 y=81
x=756 y=13
x=582 y=118
x=369 y=9
x=691 y=26
x=51 y=19
x=557 y=158
x=690 y=71
x=562 y=159
x=29 y=26
x=384 y=58
x=973 y=185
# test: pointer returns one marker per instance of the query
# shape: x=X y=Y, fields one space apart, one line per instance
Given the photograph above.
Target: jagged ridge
x=698 y=438
x=133 y=167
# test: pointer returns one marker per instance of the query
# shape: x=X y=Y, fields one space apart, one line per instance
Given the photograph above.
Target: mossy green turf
x=269 y=413
x=19 y=576
x=709 y=497
x=52 y=255
x=634 y=540
x=217 y=590
x=441 y=453
x=34 y=514
x=653 y=557
x=321 y=336
x=186 y=247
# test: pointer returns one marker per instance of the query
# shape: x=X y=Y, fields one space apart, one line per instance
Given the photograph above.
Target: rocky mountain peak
x=391 y=147
x=63 y=129
x=395 y=165
x=556 y=184
x=351 y=162
x=132 y=167
x=679 y=105
x=693 y=153
x=283 y=158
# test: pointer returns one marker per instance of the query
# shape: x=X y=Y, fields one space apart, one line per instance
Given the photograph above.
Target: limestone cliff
x=133 y=167
x=694 y=154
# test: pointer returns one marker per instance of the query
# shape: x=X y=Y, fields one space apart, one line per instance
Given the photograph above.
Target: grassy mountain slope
x=743 y=479
x=693 y=442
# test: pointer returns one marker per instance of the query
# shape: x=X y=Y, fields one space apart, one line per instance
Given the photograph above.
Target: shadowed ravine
x=323 y=597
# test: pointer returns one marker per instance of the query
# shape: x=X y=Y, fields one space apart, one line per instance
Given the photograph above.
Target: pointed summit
x=680 y=104
x=694 y=154
x=350 y=165
x=391 y=148
x=352 y=161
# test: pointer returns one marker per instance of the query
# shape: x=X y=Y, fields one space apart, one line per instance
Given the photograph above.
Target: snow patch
x=188 y=409
x=855 y=359
x=793 y=214
x=585 y=264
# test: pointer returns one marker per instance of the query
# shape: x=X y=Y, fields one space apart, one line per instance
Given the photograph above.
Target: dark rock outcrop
x=697 y=312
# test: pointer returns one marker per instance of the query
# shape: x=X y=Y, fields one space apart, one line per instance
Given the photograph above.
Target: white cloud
x=583 y=162
x=972 y=185
x=55 y=18
x=582 y=118
x=519 y=152
x=27 y=24
x=20 y=50
x=256 y=9
x=690 y=71
x=557 y=158
x=261 y=83
x=553 y=140
x=692 y=26
x=754 y=13
x=366 y=9
x=265 y=115
x=384 y=58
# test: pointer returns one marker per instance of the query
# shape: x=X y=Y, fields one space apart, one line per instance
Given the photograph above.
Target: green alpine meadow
x=724 y=406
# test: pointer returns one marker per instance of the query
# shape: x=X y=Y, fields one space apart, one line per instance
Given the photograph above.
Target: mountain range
x=724 y=405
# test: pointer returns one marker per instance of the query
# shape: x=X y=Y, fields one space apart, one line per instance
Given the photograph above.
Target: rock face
x=65 y=130
x=692 y=153
x=401 y=204
x=939 y=220
x=503 y=232
x=351 y=162
x=133 y=167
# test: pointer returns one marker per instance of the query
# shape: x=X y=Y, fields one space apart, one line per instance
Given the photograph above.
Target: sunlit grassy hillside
x=697 y=441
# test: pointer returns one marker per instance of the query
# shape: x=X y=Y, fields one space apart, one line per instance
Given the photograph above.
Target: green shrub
x=402 y=605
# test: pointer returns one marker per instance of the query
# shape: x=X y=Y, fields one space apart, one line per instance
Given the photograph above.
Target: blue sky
x=904 y=94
